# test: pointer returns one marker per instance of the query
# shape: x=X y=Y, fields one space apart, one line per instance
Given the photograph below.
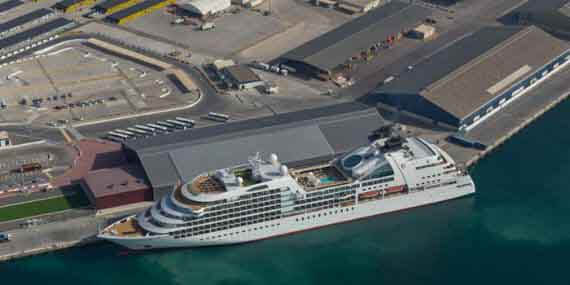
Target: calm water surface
x=515 y=230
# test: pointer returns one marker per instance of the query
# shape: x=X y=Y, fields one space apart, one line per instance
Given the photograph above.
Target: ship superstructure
x=264 y=198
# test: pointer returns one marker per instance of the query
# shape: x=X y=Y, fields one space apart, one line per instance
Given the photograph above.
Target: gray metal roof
x=235 y=129
x=464 y=76
x=336 y=46
x=540 y=5
x=290 y=145
x=241 y=74
x=477 y=83
x=536 y=11
x=109 y=4
x=21 y=20
x=133 y=9
x=33 y=32
x=447 y=60
x=67 y=3
x=159 y=169
x=298 y=136
x=5 y=6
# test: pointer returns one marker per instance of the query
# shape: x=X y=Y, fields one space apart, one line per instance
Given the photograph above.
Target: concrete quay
x=58 y=235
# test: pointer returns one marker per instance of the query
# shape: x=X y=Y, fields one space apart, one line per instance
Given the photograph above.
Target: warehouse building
x=138 y=10
x=312 y=135
x=29 y=18
x=69 y=6
x=7 y=5
x=205 y=7
x=112 y=6
x=552 y=16
x=319 y=57
x=48 y=28
x=470 y=80
x=360 y=6
x=241 y=77
x=117 y=186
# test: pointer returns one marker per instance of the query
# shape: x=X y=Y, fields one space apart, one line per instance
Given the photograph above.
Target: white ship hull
x=302 y=222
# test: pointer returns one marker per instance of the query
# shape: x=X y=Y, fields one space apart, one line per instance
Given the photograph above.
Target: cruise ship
x=263 y=198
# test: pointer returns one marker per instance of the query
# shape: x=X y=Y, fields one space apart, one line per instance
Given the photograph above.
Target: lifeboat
x=395 y=189
x=369 y=194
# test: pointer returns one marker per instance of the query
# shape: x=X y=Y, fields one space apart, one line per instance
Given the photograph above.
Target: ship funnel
x=284 y=170
x=274 y=159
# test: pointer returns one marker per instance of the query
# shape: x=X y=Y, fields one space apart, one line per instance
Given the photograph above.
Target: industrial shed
x=298 y=137
x=51 y=27
x=319 y=57
x=205 y=7
x=29 y=18
x=68 y=6
x=113 y=6
x=7 y=5
x=117 y=186
x=138 y=10
x=360 y=6
x=552 y=16
x=475 y=77
x=241 y=77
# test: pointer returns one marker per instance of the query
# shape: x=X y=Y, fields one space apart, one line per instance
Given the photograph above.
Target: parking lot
x=74 y=82
x=238 y=30
x=24 y=168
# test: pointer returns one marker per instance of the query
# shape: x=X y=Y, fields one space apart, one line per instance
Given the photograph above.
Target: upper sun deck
x=318 y=177
x=229 y=183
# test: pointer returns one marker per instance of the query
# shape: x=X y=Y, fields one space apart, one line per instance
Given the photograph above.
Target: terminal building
x=325 y=55
x=470 y=80
x=297 y=138
x=117 y=186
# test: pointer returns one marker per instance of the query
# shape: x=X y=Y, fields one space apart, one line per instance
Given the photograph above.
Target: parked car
x=5 y=237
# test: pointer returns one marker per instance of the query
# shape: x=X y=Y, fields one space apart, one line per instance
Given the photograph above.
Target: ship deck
x=319 y=176
x=206 y=184
x=126 y=228
x=195 y=206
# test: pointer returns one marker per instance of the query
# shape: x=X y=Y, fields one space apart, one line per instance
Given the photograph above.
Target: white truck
x=207 y=26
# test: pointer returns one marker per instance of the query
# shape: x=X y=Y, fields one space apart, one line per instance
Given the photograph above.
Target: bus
x=145 y=128
x=158 y=127
x=181 y=125
x=218 y=117
x=117 y=137
x=139 y=132
x=125 y=132
x=168 y=125
x=188 y=122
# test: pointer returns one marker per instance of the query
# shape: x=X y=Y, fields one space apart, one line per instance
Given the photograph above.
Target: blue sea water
x=515 y=230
